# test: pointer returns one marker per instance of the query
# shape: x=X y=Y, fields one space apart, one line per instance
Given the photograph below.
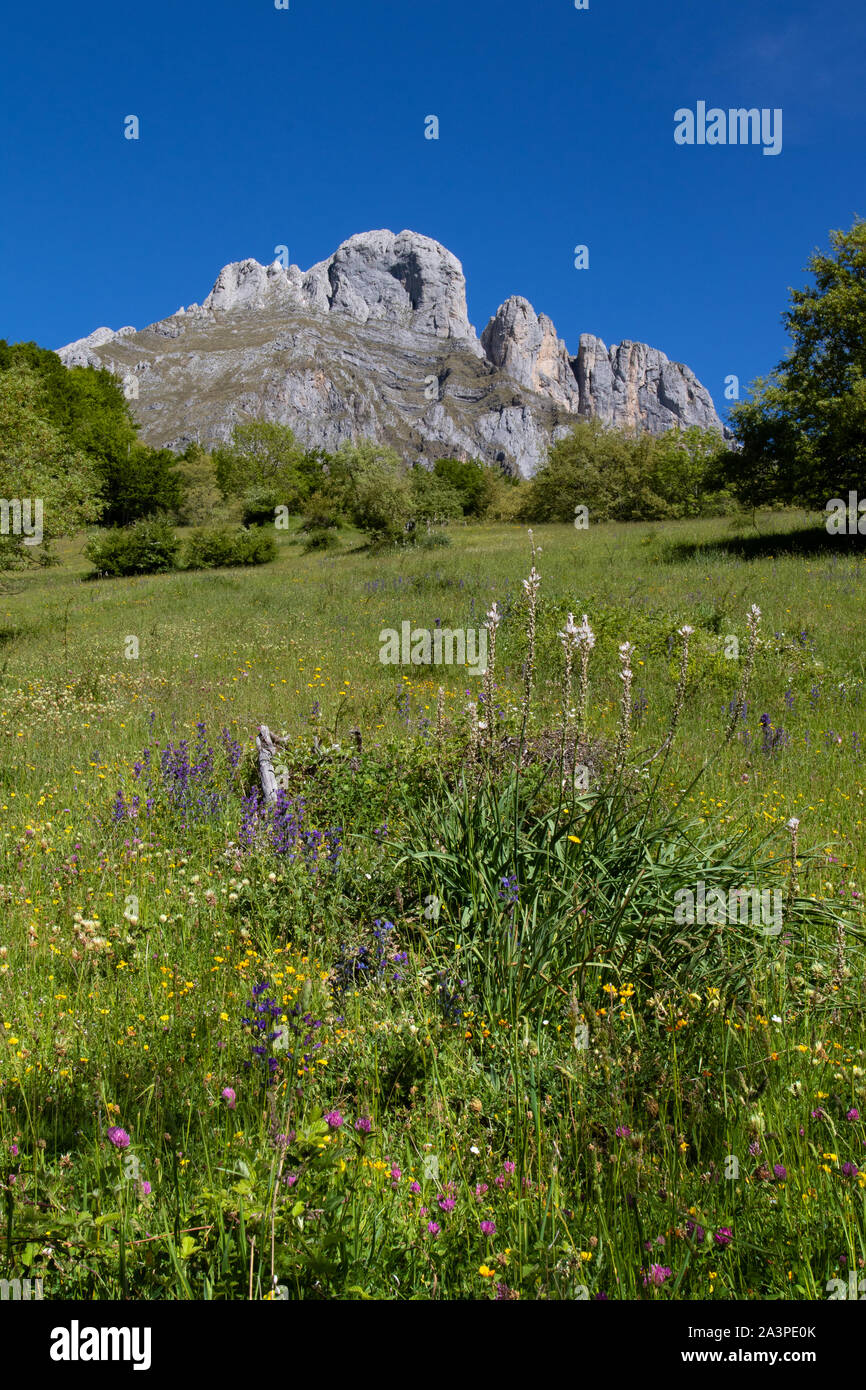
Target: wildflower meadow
x=324 y=977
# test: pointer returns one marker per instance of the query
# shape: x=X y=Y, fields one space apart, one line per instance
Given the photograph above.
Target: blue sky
x=261 y=127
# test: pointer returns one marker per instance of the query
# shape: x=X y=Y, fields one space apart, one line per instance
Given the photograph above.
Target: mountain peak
x=375 y=342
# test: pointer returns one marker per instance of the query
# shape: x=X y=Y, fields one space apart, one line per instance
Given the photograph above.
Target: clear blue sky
x=262 y=127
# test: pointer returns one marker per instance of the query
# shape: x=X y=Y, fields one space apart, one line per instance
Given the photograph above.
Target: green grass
x=519 y=1032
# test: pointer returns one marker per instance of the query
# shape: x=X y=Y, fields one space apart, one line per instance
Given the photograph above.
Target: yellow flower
x=486 y=1272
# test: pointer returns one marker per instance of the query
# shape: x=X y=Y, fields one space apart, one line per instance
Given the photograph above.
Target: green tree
x=433 y=497
x=802 y=437
x=684 y=465
x=89 y=409
x=474 y=482
x=380 y=490
x=38 y=463
x=144 y=482
x=202 y=500
x=262 y=456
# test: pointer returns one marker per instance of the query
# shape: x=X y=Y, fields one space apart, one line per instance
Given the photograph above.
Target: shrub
x=218 y=546
x=320 y=538
x=259 y=507
x=431 y=540
x=147 y=547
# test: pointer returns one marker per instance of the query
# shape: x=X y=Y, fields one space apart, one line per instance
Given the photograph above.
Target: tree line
x=68 y=436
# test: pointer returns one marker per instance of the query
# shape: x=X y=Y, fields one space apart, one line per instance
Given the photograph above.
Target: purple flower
x=146 y=1189
x=363 y=1125
x=850 y=1170
x=290 y=1179
x=508 y=1167
x=13 y=1149
x=853 y=1114
x=694 y=1230
x=480 y=1189
x=229 y=1097
x=446 y=1203
x=396 y=1174
x=622 y=1131
x=488 y=1228
x=657 y=1275
x=415 y=1187
x=333 y=1119
x=818 y=1114
x=754 y=1149
x=723 y=1236
x=118 y=1137
x=780 y=1171
x=432 y=1228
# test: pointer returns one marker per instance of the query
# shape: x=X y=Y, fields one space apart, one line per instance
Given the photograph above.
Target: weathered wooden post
x=266 y=750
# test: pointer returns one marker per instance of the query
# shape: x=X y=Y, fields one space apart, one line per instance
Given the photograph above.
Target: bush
x=434 y=498
x=432 y=540
x=147 y=547
x=218 y=546
x=621 y=475
x=320 y=538
x=259 y=507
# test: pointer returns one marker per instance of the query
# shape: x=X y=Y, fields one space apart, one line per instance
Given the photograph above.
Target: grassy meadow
x=429 y=1027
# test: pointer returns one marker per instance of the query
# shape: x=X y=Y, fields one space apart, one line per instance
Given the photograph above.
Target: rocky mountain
x=375 y=342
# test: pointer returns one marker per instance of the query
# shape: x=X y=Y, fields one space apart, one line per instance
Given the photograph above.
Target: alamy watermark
x=421 y=647
x=22 y=516
x=846 y=518
x=737 y=126
x=711 y=907
x=20 y=1290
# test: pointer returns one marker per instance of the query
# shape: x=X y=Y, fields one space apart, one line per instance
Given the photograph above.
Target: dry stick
x=266 y=750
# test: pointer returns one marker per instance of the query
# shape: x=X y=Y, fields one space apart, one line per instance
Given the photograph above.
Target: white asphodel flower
x=494 y=617
x=585 y=634
x=793 y=823
x=570 y=633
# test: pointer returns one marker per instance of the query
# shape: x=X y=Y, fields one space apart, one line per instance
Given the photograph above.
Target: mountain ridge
x=375 y=342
